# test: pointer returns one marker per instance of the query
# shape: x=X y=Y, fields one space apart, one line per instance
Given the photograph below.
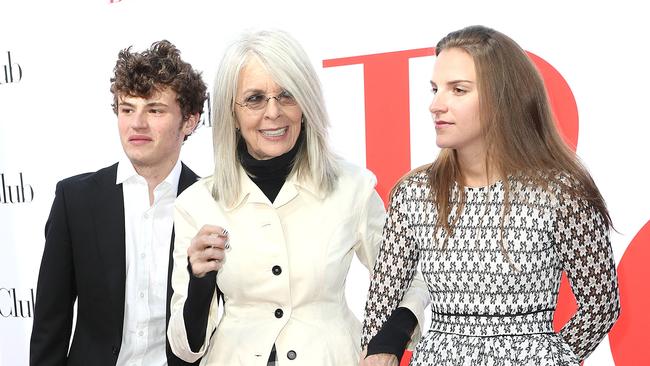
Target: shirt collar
x=126 y=171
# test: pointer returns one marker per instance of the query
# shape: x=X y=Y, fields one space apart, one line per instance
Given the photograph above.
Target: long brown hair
x=521 y=137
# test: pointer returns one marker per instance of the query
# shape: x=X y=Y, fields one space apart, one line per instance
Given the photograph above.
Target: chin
x=276 y=151
x=139 y=160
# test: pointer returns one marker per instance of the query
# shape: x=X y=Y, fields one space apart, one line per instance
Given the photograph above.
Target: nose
x=273 y=109
x=437 y=105
x=139 y=121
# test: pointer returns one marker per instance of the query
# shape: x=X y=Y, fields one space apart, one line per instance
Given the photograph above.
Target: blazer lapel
x=108 y=218
x=187 y=178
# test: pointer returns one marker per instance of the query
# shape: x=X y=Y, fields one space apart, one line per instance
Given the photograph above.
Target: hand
x=207 y=250
x=380 y=359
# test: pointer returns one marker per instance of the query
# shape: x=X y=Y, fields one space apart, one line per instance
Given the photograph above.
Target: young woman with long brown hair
x=495 y=219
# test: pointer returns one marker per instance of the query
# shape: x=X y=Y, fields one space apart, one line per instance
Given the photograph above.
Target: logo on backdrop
x=14 y=189
x=16 y=303
x=13 y=73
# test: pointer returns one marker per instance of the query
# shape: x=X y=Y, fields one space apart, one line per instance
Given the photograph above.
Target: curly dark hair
x=155 y=69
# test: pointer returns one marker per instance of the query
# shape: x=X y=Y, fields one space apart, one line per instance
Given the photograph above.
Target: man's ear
x=189 y=125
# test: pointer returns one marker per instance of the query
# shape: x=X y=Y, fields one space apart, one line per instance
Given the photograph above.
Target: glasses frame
x=266 y=102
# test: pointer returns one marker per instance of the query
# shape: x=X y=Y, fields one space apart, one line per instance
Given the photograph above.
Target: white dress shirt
x=148 y=231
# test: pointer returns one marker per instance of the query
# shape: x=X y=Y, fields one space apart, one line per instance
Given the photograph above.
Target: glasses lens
x=285 y=98
x=256 y=104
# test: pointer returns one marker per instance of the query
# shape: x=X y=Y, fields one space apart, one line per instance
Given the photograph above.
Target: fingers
x=202 y=268
x=362 y=359
x=381 y=359
x=211 y=235
x=206 y=252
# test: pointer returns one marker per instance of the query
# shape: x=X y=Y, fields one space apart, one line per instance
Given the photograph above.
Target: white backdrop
x=56 y=119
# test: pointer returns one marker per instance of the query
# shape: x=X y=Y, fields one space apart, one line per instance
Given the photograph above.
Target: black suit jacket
x=84 y=260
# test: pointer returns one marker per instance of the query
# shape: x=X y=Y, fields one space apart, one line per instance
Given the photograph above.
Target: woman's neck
x=476 y=169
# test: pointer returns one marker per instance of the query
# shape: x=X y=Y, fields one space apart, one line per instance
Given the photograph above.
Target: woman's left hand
x=381 y=359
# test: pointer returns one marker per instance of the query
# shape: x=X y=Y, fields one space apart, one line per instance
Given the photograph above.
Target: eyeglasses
x=258 y=102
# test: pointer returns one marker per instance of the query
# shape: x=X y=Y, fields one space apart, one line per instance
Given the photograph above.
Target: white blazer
x=284 y=277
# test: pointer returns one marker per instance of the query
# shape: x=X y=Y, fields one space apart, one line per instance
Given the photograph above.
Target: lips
x=440 y=124
x=274 y=132
x=139 y=139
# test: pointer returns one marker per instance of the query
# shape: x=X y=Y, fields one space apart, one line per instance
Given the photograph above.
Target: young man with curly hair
x=109 y=235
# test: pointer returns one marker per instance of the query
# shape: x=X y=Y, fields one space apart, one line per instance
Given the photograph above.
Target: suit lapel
x=108 y=218
x=187 y=178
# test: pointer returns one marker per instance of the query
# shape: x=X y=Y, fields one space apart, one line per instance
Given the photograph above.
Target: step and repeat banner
x=374 y=60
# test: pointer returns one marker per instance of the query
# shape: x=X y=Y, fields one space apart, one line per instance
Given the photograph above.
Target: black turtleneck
x=269 y=175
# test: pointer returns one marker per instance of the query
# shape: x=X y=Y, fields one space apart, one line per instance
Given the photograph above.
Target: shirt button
x=291 y=355
x=276 y=270
x=279 y=313
x=142 y=255
x=141 y=294
x=140 y=333
x=146 y=215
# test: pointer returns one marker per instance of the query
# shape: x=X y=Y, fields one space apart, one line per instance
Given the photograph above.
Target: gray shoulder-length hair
x=289 y=66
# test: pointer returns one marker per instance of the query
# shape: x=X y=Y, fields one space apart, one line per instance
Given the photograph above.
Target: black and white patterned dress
x=487 y=309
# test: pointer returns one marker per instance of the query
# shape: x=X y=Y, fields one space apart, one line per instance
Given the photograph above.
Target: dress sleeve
x=392 y=281
x=202 y=292
x=582 y=239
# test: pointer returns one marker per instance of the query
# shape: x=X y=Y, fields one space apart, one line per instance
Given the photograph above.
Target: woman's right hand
x=207 y=250
x=382 y=359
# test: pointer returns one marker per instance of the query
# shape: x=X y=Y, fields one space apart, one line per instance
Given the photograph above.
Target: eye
x=125 y=110
x=155 y=111
x=434 y=90
x=255 y=98
x=285 y=94
x=459 y=90
x=285 y=98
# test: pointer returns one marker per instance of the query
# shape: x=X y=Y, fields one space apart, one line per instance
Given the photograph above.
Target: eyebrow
x=452 y=82
x=150 y=104
x=260 y=91
x=156 y=104
x=253 y=90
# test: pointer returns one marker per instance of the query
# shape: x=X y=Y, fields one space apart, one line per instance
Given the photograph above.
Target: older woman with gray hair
x=275 y=227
